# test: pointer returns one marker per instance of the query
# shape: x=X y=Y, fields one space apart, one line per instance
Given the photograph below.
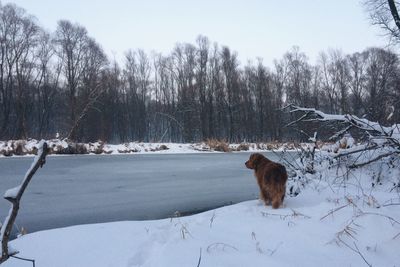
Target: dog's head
x=254 y=160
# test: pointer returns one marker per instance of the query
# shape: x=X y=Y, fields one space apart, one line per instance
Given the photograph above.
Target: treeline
x=63 y=82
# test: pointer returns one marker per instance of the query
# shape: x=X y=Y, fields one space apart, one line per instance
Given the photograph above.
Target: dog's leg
x=276 y=202
x=265 y=197
x=262 y=199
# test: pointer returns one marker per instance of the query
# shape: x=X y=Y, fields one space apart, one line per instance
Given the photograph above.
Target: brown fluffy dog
x=271 y=178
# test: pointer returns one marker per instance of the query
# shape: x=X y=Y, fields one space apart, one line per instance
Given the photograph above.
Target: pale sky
x=253 y=28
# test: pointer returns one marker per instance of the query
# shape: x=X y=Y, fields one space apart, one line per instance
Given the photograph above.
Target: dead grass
x=159 y=148
x=243 y=147
x=218 y=145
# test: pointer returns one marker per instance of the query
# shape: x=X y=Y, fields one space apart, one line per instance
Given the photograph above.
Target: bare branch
x=14 y=195
x=198 y=263
x=353 y=166
x=353 y=151
x=395 y=14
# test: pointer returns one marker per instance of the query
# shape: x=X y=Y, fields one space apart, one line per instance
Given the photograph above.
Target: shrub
x=243 y=147
x=163 y=147
x=218 y=145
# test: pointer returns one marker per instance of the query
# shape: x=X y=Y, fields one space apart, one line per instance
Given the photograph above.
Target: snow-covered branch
x=14 y=195
x=378 y=133
x=381 y=145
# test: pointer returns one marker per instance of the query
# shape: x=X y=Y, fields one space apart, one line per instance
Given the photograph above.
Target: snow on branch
x=378 y=133
x=383 y=141
x=14 y=195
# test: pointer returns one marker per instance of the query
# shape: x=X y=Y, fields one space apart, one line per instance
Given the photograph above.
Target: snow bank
x=57 y=146
x=306 y=232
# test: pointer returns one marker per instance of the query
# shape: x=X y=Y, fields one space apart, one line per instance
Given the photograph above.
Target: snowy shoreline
x=14 y=148
x=305 y=232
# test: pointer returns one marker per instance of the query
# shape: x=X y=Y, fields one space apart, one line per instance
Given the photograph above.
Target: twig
x=298 y=120
x=288 y=161
x=334 y=210
x=391 y=204
x=198 y=263
x=212 y=219
x=359 y=253
x=93 y=96
x=356 y=250
x=272 y=252
x=260 y=250
x=285 y=216
x=340 y=133
x=219 y=244
x=391 y=219
x=24 y=259
x=396 y=236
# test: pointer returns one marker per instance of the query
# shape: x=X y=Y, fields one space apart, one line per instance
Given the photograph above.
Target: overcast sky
x=253 y=28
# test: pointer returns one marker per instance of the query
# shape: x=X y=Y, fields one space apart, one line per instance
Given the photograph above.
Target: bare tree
x=279 y=84
x=71 y=45
x=18 y=38
x=231 y=77
x=327 y=82
x=46 y=84
x=95 y=62
x=184 y=64
x=215 y=96
x=201 y=82
x=384 y=13
x=137 y=81
x=340 y=74
x=381 y=83
x=357 y=66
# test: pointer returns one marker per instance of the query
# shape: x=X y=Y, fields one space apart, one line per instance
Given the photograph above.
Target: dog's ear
x=256 y=159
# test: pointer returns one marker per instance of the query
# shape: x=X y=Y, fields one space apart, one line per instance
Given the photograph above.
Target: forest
x=62 y=84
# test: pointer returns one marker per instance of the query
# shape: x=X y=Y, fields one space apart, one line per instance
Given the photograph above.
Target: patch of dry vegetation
x=218 y=145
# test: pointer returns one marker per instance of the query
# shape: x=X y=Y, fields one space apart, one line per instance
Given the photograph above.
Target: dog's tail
x=279 y=174
x=284 y=176
x=282 y=170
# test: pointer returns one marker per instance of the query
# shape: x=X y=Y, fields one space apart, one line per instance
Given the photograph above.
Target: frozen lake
x=81 y=189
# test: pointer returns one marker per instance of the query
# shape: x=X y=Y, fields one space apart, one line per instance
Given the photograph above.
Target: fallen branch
x=295 y=214
x=14 y=195
x=354 y=151
x=375 y=129
x=354 y=166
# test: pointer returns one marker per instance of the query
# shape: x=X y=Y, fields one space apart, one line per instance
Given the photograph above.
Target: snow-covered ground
x=306 y=232
x=339 y=218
